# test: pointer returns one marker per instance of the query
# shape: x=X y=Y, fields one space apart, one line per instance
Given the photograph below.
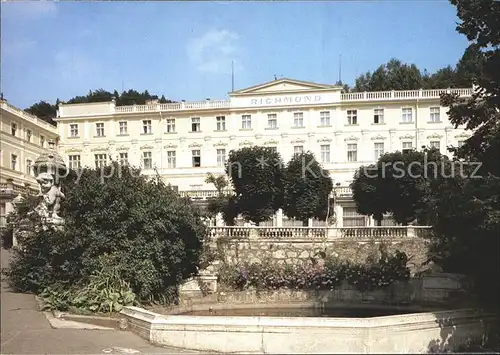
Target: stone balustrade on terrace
x=315 y=233
x=346 y=97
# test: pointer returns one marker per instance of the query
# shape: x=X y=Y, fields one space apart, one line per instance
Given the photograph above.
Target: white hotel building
x=184 y=141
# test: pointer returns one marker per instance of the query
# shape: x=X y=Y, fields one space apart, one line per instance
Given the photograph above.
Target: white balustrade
x=321 y=233
x=350 y=96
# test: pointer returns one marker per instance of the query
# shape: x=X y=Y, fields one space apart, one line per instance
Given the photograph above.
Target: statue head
x=46 y=181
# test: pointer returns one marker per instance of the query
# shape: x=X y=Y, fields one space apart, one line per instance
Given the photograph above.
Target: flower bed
x=323 y=274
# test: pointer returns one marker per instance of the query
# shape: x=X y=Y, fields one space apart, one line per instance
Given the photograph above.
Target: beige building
x=184 y=141
x=23 y=137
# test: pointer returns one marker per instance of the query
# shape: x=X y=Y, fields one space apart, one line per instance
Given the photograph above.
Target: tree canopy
x=307 y=188
x=396 y=184
x=466 y=209
x=257 y=176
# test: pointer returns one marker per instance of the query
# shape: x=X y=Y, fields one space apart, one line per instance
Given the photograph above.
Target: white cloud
x=213 y=51
x=73 y=66
x=18 y=47
x=29 y=10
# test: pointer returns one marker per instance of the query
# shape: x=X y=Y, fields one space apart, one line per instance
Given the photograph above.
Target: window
x=435 y=114
x=123 y=158
x=195 y=124
x=460 y=143
x=246 y=122
x=406 y=115
x=171 y=161
x=272 y=121
x=29 y=164
x=221 y=157
x=73 y=130
x=100 y=160
x=42 y=141
x=13 y=162
x=298 y=119
x=29 y=134
x=196 y=157
x=171 y=125
x=298 y=149
x=74 y=162
x=351 y=218
x=352 y=117
x=352 y=152
x=324 y=117
x=123 y=128
x=13 y=128
x=435 y=145
x=378 y=116
x=221 y=123
x=99 y=129
x=378 y=150
x=407 y=147
x=325 y=153
x=146 y=127
x=147 y=160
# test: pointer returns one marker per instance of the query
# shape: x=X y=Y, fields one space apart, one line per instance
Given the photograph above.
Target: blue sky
x=184 y=49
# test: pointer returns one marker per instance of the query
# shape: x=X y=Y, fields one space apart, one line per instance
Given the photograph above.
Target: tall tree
x=475 y=200
x=257 y=177
x=396 y=184
x=394 y=75
x=307 y=188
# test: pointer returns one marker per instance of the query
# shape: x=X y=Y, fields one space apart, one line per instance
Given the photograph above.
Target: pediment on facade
x=99 y=149
x=147 y=146
x=207 y=138
x=220 y=144
x=122 y=147
x=195 y=145
x=324 y=139
x=258 y=136
x=134 y=141
x=407 y=136
x=170 y=146
x=298 y=140
x=435 y=135
x=378 y=137
x=351 y=138
x=283 y=85
x=246 y=143
x=271 y=142
x=284 y=135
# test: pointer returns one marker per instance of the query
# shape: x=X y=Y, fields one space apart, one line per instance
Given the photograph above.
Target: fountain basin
x=401 y=333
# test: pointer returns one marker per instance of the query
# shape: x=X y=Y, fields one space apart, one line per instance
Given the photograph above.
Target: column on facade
x=364 y=148
x=337 y=147
x=420 y=138
x=339 y=215
x=448 y=130
x=392 y=140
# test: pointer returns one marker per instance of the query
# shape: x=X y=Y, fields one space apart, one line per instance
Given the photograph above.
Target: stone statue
x=50 y=205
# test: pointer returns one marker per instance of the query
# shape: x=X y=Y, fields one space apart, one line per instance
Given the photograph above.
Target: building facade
x=23 y=138
x=184 y=141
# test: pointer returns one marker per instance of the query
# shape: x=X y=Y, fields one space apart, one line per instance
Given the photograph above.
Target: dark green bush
x=116 y=219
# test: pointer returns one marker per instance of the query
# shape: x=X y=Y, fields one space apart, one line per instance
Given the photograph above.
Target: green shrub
x=120 y=227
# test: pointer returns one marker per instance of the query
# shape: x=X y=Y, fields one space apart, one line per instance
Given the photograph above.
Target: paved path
x=26 y=330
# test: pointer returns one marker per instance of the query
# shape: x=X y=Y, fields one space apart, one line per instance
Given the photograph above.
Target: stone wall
x=293 y=251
